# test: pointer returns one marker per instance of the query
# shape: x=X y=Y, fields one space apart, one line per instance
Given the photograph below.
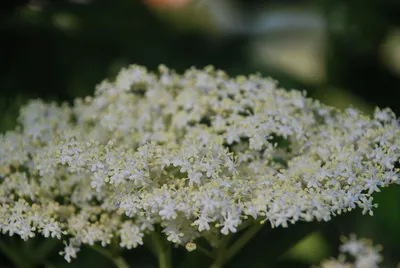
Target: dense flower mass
x=198 y=154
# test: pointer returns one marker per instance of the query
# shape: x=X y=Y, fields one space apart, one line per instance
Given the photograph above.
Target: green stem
x=44 y=250
x=242 y=241
x=205 y=251
x=13 y=256
x=245 y=224
x=197 y=258
x=149 y=244
x=119 y=261
x=220 y=253
x=163 y=251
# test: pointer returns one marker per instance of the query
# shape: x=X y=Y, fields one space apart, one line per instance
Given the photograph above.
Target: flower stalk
x=220 y=252
x=162 y=249
x=242 y=241
x=118 y=260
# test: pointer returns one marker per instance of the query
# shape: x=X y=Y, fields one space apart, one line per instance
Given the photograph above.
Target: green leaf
x=268 y=246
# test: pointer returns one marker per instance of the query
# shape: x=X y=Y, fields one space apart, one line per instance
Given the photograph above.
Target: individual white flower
x=70 y=251
x=202 y=222
x=168 y=211
x=131 y=236
x=230 y=223
x=52 y=229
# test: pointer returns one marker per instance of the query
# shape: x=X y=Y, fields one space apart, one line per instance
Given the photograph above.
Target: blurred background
x=345 y=53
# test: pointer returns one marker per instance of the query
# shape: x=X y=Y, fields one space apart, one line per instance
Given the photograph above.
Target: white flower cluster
x=355 y=253
x=199 y=154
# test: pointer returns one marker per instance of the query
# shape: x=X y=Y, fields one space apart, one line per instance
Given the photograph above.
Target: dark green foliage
x=40 y=60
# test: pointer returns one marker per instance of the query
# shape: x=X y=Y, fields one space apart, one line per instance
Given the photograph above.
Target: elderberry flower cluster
x=196 y=154
x=355 y=253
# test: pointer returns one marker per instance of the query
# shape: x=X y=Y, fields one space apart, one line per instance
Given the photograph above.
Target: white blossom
x=357 y=253
x=131 y=236
x=194 y=154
